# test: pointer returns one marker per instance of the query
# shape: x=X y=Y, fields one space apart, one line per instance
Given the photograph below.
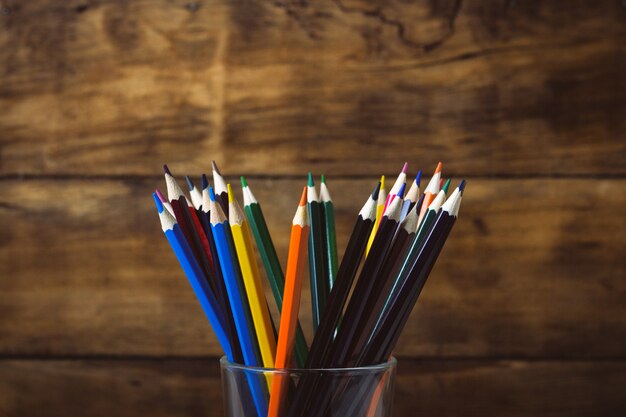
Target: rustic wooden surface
x=524 y=313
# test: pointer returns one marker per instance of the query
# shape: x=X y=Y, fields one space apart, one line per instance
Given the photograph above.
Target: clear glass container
x=345 y=392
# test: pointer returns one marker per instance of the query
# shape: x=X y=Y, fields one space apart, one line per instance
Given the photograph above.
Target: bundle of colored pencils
x=360 y=305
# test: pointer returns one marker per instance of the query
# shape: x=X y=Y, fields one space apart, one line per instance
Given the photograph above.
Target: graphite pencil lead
x=166 y=170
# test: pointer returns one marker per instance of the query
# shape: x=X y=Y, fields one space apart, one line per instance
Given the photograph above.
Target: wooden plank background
x=524 y=313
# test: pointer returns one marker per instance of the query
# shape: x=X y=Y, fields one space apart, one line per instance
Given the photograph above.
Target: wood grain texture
x=192 y=388
x=534 y=269
x=344 y=86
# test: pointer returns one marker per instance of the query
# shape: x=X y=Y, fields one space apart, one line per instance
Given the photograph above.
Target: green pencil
x=330 y=236
x=317 y=270
x=271 y=264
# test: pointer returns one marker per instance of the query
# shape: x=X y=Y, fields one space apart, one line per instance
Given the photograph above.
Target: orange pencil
x=296 y=262
x=431 y=191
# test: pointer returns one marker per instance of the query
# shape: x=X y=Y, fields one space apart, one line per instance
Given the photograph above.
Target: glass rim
x=390 y=364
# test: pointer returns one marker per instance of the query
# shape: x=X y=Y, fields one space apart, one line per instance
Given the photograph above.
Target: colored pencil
x=252 y=281
x=219 y=278
x=430 y=192
x=317 y=271
x=236 y=296
x=219 y=184
x=194 y=274
x=330 y=238
x=270 y=260
x=380 y=207
x=291 y=304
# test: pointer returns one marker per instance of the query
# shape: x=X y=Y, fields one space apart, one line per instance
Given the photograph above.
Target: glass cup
x=345 y=392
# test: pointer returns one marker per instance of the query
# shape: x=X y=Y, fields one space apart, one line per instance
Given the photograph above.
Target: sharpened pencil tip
x=215 y=169
x=244 y=183
x=446 y=186
x=205 y=182
x=438 y=169
x=462 y=186
x=401 y=191
x=189 y=183
x=230 y=193
x=405 y=167
x=418 y=177
x=382 y=182
x=157 y=201
x=166 y=170
x=376 y=191
x=211 y=193
x=323 y=179
x=303 y=198
x=310 y=182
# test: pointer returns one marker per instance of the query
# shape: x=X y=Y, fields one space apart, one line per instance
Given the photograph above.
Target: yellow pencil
x=252 y=281
x=380 y=206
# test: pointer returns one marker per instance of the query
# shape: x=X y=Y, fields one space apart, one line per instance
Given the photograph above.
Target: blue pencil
x=237 y=297
x=194 y=274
